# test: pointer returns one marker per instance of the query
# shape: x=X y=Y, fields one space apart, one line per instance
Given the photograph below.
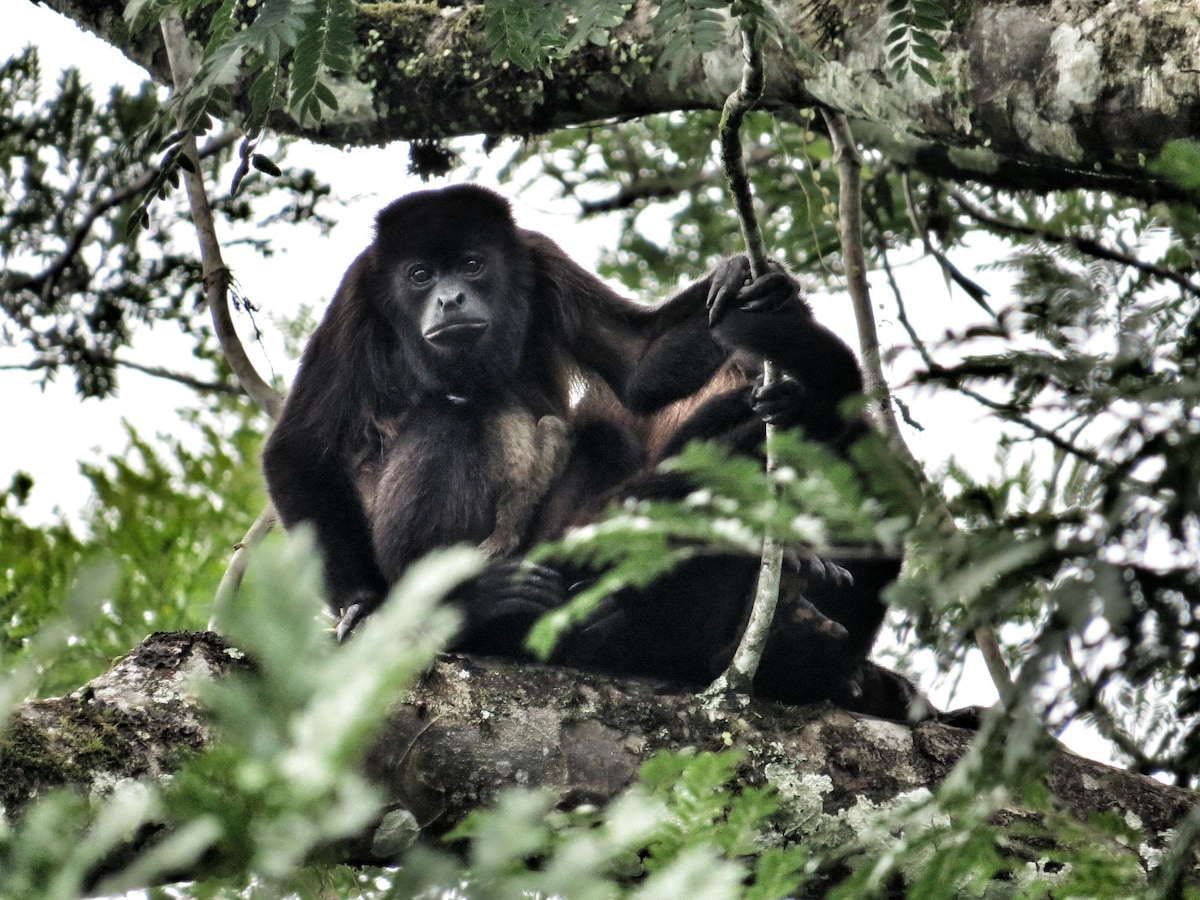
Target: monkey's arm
x=307 y=464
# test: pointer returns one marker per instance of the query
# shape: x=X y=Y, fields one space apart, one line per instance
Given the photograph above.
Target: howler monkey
x=434 y=405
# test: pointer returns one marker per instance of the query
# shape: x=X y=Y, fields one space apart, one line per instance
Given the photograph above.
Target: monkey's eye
x=473 y=265
x=420 y=274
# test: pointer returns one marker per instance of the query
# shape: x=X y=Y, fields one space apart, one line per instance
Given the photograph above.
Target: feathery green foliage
x=325 y=45
x=525 y=34
x=166 y=514
x=283 y=779
x=687 y=828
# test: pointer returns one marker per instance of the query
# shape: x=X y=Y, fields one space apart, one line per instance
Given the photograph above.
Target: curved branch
x=231 y=581
x=217 y=277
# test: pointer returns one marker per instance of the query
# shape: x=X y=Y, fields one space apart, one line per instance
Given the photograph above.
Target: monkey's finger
x=785 y=386
x=720 y=301
x=727 y=280
x=803 y=615
x=350 y=618
x=770 y=292
x=537 y=584
x=835 y=573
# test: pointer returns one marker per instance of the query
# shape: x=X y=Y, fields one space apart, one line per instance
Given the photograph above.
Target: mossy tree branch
x=1047 y=96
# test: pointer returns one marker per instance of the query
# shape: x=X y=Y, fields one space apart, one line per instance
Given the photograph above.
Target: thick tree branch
x=472 y=727
x=1060 y=93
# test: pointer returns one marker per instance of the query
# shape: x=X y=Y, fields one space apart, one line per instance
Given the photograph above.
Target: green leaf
x=931 y=54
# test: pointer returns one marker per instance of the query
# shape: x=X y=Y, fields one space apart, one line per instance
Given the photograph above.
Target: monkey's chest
x=430 y=487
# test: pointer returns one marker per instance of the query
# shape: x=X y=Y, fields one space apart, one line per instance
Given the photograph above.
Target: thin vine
x=739 y=676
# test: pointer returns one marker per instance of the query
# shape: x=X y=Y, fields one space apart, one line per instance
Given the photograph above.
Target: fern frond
x=325 y=46
x=693 y=28
x=526 y=33
x=911 y=40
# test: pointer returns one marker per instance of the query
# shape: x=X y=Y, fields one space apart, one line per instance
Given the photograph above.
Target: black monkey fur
x=455 y=323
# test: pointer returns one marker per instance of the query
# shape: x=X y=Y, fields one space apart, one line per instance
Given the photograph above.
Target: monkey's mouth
x=462 y=331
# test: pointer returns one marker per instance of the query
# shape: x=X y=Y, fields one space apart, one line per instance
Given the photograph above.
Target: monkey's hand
x=782 y=403
x=796 y=614
x=877 y=691
x=733 y=289
x=812 y=568
x=501 y=605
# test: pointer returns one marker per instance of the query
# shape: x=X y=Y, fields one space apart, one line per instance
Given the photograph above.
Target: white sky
x=61 y=430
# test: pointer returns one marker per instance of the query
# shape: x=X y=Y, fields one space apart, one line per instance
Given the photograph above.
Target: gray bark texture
x=1041 y=95
x=473 y=726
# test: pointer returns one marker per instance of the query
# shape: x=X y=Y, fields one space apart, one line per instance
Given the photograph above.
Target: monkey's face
x=456 y=299
x=464 y=312
x=456 y=283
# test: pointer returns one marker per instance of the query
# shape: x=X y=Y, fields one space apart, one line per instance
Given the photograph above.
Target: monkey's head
x=455 y=280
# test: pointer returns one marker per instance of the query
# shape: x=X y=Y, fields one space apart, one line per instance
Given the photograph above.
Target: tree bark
x=474 y=726
x=1046 y=95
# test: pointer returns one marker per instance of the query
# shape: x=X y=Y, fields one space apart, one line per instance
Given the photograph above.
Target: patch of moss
x=69 y=741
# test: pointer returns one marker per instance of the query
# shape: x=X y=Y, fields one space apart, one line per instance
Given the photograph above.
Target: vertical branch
x=739 y=676
x=849 y=168
x=737 y=104
x=849 y=165
x=216 y=291
x=216 y=273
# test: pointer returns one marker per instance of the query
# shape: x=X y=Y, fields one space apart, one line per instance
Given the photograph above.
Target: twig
x=216 y=273
x=1038 y=431
x=1087 y=246
x=196 y=384
x=985 y=635
x=973 y=290
x=849 y=167
x=738 y=678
